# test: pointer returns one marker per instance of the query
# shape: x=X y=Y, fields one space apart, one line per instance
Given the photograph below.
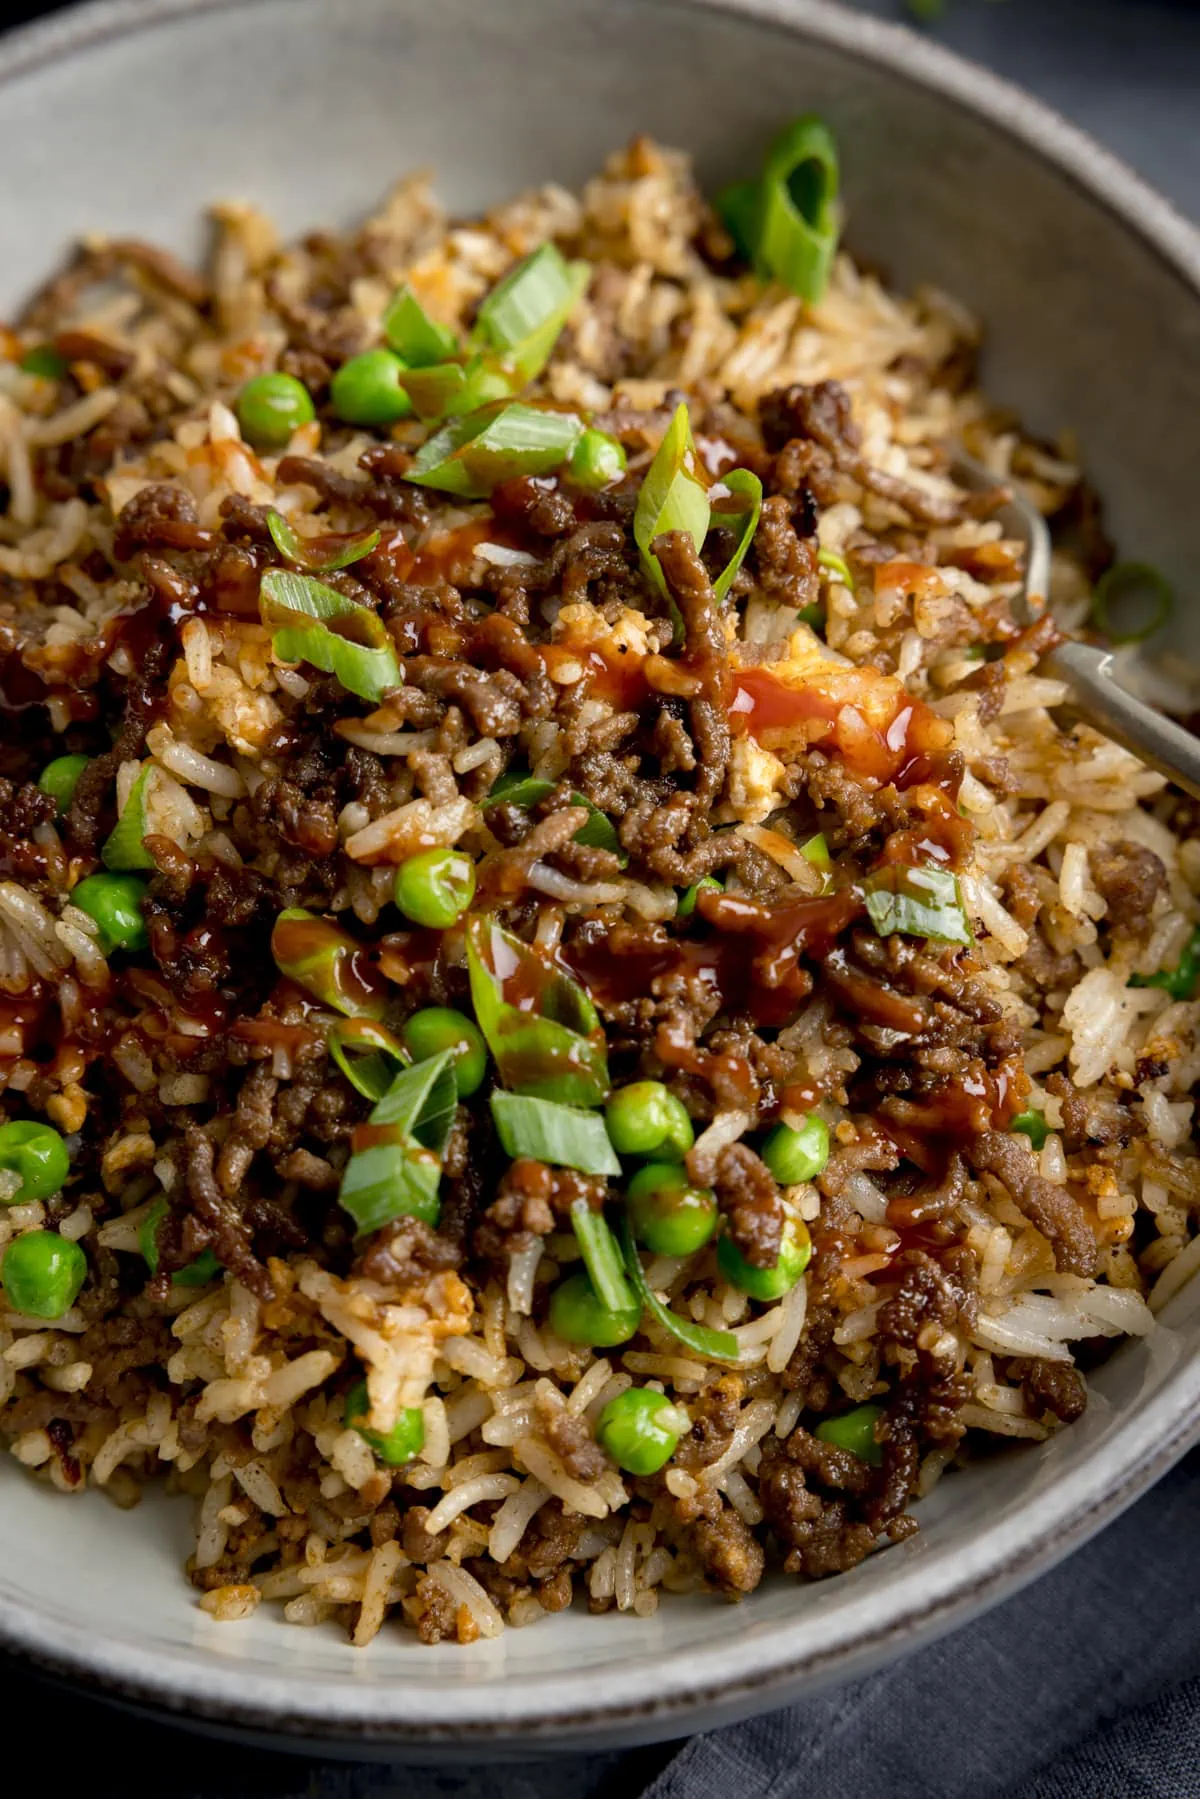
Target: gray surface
x=1129 y=72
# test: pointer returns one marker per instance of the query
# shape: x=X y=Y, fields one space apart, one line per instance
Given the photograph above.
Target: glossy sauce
x=616 y=676
x=904 y=750
x=751 y=963
x=339 y=964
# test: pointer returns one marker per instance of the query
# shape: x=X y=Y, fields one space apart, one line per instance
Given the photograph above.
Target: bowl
x=128 y=117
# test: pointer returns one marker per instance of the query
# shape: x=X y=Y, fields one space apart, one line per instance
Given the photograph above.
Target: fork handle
x=1098 y=697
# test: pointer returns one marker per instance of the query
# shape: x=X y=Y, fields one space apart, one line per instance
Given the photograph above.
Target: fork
x=1093 y=692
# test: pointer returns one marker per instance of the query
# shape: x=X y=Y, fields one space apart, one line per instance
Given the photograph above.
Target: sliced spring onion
x=472 y=455
x=747 y=488
x=1031 y=1124
x=524 y=791
x=816 y=851
x=687 y=904
x=918 y=902
x=540 y=1025
x=812 y=616
x=410 y=331
x=367 y=1054
x=314 y=623
x=44 y=361
x=319 y=556
x=1140 y=592
x=453 y=389
x=549 y=1132
x=601 y=1257
x=1180 y=981
x=673 y=496
x=323 y=959
x=521 y=318
x=798 y=221
x=720 y=1346
x=124 y=847
x=837 y=565
x=739 y=204
x=422 y=1101
x=395 y=1168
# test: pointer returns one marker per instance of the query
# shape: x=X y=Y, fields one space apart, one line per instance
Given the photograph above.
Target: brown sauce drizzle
x=296 y=941
x=909 y=748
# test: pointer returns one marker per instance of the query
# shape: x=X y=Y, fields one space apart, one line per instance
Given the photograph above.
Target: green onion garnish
x=367 y=1054
x=396 y=1167
x=198 y=1273
x=313 y=623
x=601 y=1257
x=720 y=1346
x=323 y=959
x=738 y=205
x=44 y=361
x=123 y=848
x=410 y=331
x=550 y=1132
x=687 y=904
x=816 y=851
x=521 y=318
x=1031 y=1124
x=748 y=488
x=541 y=1027
x=1180 y=981
x=787 y=223
x=836 y=565
x=673 y=495
x=525 y=791
x=453 y=389
x=855 y=1431
x=338 y=552
x=1132 y=587
x=918 y=902
x=472 y=455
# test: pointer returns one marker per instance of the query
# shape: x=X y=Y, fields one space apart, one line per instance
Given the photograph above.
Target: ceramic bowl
x=128 y=117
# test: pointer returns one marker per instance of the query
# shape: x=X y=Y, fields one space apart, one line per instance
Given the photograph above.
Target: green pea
x=577 y=1316
x=1031 y=1124
x=436 y=1028
x=205 y=1268
x=38 y=1154
x=795 y=1156
x=646 y=1119
x=44 y=360
x=855 y=1431
x=115 y=902
x=596 y=461
x=367 y=391
x=271 y=407
x=666 y=1214
x=406 y=1438
x=768 y=1283
x=687 y=904
x=641 y=1429
x=436 y=887
x=42 y=1274
x=60 y=778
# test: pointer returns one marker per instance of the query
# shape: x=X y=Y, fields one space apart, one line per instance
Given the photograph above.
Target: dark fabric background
x=1085 y=1687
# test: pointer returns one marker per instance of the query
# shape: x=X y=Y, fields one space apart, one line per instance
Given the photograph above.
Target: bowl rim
x=730 y=1678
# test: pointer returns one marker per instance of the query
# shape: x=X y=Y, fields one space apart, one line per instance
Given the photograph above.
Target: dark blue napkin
x=1001 y=1709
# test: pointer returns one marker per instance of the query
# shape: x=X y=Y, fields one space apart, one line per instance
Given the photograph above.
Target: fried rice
x=865 y=680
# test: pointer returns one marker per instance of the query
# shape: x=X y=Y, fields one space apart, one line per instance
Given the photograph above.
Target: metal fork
x=1094 y=693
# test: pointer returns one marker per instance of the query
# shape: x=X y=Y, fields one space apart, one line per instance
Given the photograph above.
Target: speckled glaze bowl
x=127 y=117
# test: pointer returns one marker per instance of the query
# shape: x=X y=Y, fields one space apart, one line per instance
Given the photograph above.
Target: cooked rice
x=948 y=1291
